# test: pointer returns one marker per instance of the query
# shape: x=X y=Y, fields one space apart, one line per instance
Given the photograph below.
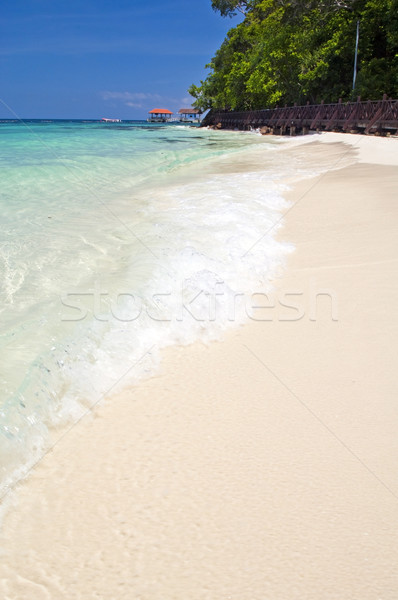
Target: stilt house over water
x=159 y=115
x=189 y=115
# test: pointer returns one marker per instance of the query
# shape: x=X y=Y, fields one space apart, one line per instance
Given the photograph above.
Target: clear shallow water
x=118 y=240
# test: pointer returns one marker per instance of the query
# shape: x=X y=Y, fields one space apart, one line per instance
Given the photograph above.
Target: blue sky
x=102 y=58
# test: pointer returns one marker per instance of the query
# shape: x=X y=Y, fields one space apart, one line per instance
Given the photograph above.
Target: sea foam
x=117 y=242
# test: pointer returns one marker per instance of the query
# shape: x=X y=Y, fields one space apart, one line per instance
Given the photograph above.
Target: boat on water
x=104 y=120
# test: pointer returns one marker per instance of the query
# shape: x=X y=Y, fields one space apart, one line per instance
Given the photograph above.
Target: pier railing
x=371 y=117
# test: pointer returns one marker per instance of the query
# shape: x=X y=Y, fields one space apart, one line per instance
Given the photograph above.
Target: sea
x=117 y=240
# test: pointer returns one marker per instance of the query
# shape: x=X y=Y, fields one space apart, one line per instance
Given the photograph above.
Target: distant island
x=291 y=51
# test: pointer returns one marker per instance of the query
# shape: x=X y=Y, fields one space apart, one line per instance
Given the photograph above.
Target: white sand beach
x=260 y=467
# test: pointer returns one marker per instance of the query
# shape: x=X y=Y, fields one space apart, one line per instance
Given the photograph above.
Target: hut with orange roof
x=159 y=115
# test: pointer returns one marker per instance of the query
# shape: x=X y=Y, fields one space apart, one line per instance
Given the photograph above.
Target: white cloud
x=129 y=97
x=187 y=101
x=141 y=100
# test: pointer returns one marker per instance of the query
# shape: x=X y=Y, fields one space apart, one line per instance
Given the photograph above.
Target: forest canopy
x=287 y=51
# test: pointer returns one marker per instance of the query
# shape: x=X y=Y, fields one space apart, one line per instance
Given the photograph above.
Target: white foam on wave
x=161 y=265
x=202 y=248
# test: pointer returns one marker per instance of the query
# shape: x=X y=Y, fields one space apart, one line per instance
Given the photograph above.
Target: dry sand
x=260 y=467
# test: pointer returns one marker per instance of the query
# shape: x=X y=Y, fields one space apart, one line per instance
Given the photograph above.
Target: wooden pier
x=371 y=117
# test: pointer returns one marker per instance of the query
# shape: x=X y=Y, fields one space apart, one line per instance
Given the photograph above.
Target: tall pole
x=356 y=58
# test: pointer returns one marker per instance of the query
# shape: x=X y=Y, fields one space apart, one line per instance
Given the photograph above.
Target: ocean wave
x=108 y=276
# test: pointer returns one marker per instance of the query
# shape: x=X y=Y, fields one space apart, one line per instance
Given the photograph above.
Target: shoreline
x=262 y=465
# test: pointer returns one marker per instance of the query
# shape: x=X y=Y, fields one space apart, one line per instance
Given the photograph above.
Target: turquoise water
x=118 y=240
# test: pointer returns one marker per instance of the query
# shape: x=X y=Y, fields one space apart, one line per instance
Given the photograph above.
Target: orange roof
x=161 y=111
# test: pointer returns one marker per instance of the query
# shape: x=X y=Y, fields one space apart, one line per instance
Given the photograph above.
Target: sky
x=103 y=58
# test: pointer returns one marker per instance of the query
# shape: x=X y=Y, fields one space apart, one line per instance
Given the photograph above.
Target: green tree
x=228 y=8
x=288 y=51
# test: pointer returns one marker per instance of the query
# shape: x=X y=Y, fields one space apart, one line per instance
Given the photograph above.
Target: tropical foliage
x=287 y=51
